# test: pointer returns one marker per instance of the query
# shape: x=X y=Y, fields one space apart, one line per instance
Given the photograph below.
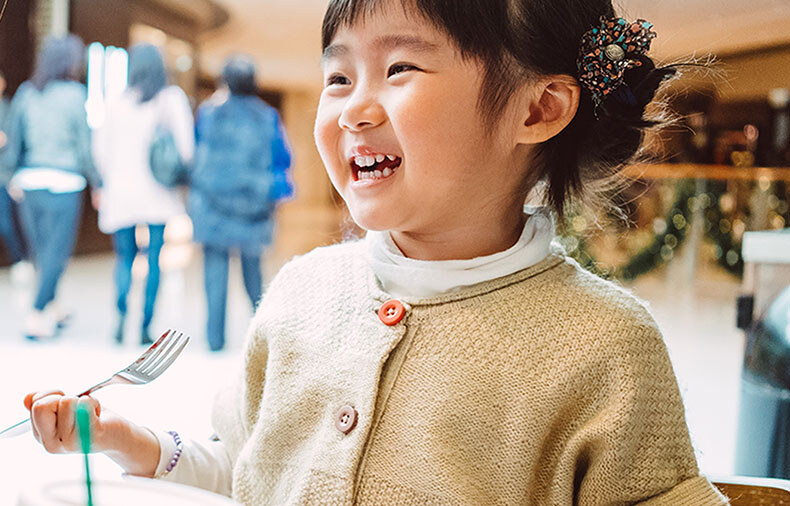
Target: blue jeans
x=11 y=239
x=126 y=248
x=216 y=279
x=50 y=222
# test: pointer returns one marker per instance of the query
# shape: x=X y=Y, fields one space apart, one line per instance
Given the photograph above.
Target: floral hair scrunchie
x=610 y=49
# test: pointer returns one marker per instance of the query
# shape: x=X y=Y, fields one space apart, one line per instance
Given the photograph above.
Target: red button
x=346 y=419
x=392 y=312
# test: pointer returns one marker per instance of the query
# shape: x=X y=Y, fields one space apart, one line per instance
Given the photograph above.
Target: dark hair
x=146 y=70
x=238 y=73
x=521 y=39
x=60 y=59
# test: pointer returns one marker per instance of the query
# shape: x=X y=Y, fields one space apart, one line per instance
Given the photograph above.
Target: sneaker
x=40 y=326
x=22 y=274
x=61 y=316
x=145 y=337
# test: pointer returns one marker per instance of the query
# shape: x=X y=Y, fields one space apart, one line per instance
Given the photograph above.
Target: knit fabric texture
x=549 y=386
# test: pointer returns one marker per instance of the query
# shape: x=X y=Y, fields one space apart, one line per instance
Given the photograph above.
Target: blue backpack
x=233 y=161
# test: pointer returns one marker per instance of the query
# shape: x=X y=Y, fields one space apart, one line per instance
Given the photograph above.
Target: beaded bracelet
x=176 y=454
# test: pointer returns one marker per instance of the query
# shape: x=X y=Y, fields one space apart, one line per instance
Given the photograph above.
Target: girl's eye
x=399 y=68
x=338 y=79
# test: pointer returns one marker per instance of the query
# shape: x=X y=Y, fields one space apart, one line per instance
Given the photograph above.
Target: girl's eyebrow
x=385 y=42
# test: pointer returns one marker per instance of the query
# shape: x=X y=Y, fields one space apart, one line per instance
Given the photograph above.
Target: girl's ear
x=552 y=105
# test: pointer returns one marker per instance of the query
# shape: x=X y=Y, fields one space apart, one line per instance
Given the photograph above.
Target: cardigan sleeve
x=632 y=445
x=696 y=491
x=204 y=465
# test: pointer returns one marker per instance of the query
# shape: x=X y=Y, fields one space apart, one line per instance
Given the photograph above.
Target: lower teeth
x=375 y=174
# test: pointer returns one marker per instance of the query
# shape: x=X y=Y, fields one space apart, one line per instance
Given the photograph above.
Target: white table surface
x=180 y=399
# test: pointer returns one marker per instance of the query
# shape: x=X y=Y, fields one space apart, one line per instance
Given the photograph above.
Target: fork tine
x=177 y=342
x=173 y=355
x=161 y=345
x=161 y=352
x=152 y=349
x=153 y=362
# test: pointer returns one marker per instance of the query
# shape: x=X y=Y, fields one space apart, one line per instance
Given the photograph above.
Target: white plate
x=129 y=492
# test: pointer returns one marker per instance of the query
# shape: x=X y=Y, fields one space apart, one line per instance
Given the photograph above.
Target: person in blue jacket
x=49 y=154
x=14 y=247
x=241 y=171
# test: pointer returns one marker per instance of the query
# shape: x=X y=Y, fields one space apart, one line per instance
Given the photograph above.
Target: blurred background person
x=131 y=196
x=49 y=154
x=21 y=271
x=241 y=172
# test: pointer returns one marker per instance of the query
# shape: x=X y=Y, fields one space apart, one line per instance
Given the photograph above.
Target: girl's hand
x=52 y=414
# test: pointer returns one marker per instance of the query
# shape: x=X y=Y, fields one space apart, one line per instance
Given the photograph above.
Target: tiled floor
x=697 y=318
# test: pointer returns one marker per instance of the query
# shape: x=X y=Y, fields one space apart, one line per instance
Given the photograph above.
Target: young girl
x=454 y=356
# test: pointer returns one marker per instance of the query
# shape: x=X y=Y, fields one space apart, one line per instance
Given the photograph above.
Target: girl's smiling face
x=400 y=133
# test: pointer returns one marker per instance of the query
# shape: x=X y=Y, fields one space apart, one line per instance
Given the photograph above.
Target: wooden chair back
x=748 y=491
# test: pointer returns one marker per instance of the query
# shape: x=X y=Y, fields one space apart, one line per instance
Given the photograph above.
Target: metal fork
x=148 y=366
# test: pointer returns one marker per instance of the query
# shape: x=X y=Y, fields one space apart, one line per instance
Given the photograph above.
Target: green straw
x=83 y=423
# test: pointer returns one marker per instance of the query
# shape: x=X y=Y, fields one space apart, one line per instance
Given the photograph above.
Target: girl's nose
x=362 y=111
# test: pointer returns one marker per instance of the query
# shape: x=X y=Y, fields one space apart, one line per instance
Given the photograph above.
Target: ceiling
x=284 y=35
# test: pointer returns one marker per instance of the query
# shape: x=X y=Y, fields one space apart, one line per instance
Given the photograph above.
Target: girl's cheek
x=325 y=128
x=327 y=142
x=328 y=116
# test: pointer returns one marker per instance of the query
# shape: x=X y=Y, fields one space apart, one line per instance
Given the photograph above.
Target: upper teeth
x=370 y=160
x=364 y=161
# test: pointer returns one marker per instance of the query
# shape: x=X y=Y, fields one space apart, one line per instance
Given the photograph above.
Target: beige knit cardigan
x=549 y=386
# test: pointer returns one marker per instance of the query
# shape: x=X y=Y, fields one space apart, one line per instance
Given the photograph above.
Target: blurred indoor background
x=722 y=172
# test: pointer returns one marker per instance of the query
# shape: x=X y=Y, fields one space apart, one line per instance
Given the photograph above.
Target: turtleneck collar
x=407 y=277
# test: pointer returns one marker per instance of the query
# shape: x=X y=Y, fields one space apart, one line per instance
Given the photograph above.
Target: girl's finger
x=65 y=423
x=29 y=400
x=36 y=434
x=96 y=428
x=92 y=404
x=44 y=417
x=34 y=396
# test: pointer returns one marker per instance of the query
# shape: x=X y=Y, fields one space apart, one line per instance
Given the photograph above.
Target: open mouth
x=378 y=166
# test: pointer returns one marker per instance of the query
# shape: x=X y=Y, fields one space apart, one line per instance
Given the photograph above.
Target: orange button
x=346 y=419
x=392 y=312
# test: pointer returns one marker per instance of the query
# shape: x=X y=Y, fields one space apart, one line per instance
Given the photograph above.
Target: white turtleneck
x=407 y=277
